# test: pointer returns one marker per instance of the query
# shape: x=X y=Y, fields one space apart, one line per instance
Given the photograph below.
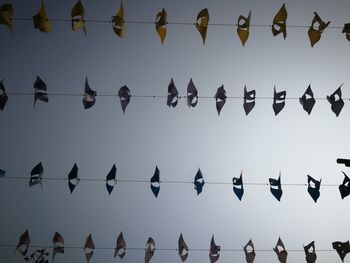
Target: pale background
x=178 y=140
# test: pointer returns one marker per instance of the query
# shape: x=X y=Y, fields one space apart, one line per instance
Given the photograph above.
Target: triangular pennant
x=124 y=95
x=6 y=15
x=73 y=178
x=249 y=100
x=275 y=187
x=316 y=32
x=89 y=96
x=41 y=21
x=307 y=100
x=192 y=94
x=344 y=188
x=77 y=15
x=149 y=249
x=2 y=173
x=310 y=253
x=89 y=248
x=278 y=101
x=336 y=101
x=182 y=249
x=220 y=98
x=118 y=22
x=346 y=31
x=243 y=25
x=249 y=252
x=110 y=179
x=173 y=94
x=202 y=23
x=198 y=182
x=40 y=91
x=313 y=188
x=120 y=246
x=281 y=251
x=238 y=187
x=3 y=96
x=279 y=22
x=23 y=243
x=155 y=182
x=161 y=24
x=36 y=175
x=57 y=245
x=342 y=248
x=214 y=252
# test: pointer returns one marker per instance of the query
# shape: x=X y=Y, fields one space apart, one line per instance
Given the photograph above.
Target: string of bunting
x=313 y=185
x=307 y=100
x=120 y=249
x=279 y=25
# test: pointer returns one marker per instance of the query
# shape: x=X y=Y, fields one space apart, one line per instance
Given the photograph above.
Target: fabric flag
x=89 y=98
x=161 y=24
x=110 y=179
x=249 y=252
x=336 y=101
x=6 y=15
x=278 y=101
x=220 y=98
x=57 y=245
x=346 y=31
x=40 y=91
x=149 y=249
x=313 y=188
x=73 y=178
x=275 y=187
x=124 y=96
x=202 y=23
x=155 y=182
x=23 y=243
x=342 y=248
x=89 y=248
x=198 y=182
x=120 y=246
x=281 y=251
x=214 y=252
x=182 y=249
x=118 y=22
x=307 y=100
x=41 y=21
x=2 y=173
x=173 y=94
x=36 y=175
x=310 y=253
x=344 y=188
x=77 y=15
x=279 y=22
x=192 y=94
x=243 y=25
x=316 y=32
x=238 y=187
x=3 y=96
x=249 y=100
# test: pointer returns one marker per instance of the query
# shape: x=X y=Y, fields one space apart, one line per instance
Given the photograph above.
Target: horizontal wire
x=169 y=249
x=169 y=23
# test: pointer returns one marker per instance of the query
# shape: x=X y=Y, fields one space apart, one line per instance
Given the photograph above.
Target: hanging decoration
x=281 y=251
x=249 y=100
x=41 y=21
x=249 y=252
x=220 y=98
x=23 y=243
x=124 y=96
x=2 y=173
x=173 y=94
x=336 y=101
x=89 y=248
x=161 y=24
x=120 y=246
x=73 y=178
x=77 y=14
x=238 y=187
x=110 y=179
x=89 y=98
x=6 y=16
x=202 y=23
x=243 y=25
x=182 y=248
x=149 y=249
x=310 y=253
x=36 y=175
x=198 y=182
x=118 y=22
x=214 y=252
x=278 y=101
x=344 y=188
x=40 y=91
x=192 y=94
x=279 y=24
x=307 y=100
x=346 y=31
x=57 y=245
x=3 y=96
x=313 y=188
x=155 y=182
x=342 y=248
x=316 y=32
x=275 y=187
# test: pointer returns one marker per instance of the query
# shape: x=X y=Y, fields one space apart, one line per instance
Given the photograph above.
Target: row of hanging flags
x=58 y=247
x=313 y=185
x=307 y=100
x=279 y=23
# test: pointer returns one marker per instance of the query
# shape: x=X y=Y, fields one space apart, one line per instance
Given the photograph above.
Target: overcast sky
x=178 y=140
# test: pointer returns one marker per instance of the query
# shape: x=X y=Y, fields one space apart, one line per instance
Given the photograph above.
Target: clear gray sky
x=179 y=140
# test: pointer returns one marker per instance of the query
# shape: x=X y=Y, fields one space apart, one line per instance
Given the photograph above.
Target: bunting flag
x=346 y=31
x=41 y=21
x=149 y=249
x=173 y=95
x=89 y=98
x=336 y=101
x=161 y=24
x=249 y=100
x=198 y=182
x=182 y=248
x=313 y=188
x=23 y=243
x=77 y=14
x=89 y=248
x=57 y=245
x=155 y=182
x=344 y=188
x=202 y=23
x=2 y=173
x=118 y=22
x=220 y=98
x=278 y=101
x=310 y=253
x=214 y=252
x=192 y=94
x=238 y=187
x=40 y=91
x=124 y=96
x=307 y=100
x=342 y=248
x=120 y=246
x=36 y=175
x=110 y=179
x=316 y=32
x=346 y=162
x=249 y=252
x=281 y=251
x=6 y=15
x=3 y=96
x=243 y=25
x=279 y=24
x=73 y=178
x=275 y=187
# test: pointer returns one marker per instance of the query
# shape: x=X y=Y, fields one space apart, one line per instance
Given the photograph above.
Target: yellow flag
x=279 y=22
x=6 y=15
x=118 y=22
x=77 y=15
x=41 y=20
x=243 y=25
x=161 y=24
x=202 y=23
x=315 y=32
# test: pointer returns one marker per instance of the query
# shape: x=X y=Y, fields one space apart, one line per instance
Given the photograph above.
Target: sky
x=178 y=140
